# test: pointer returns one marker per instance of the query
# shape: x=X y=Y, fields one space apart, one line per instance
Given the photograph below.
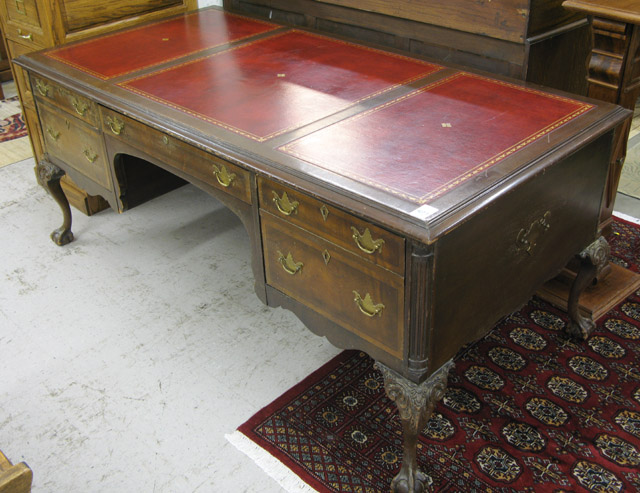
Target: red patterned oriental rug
x=12 y=127
x=526 y=410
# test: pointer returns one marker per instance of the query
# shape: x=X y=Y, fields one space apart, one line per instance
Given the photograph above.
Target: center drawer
x=178 y=154
x=365 y=299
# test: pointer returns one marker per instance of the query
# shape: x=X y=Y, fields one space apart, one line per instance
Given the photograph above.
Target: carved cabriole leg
x=593 y=260
x=49 y=176
x=415 y=404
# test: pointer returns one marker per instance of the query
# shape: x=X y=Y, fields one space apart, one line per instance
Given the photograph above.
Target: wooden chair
x=14 y=479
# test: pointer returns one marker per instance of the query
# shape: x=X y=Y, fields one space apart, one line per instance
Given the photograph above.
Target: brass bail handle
x=367 y=306
x=115 y=124
x=288 y=264
x=222 y=175
x=80 y=107
x=284 y=204
x=365 y=242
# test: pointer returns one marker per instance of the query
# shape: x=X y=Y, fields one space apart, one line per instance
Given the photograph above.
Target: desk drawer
x=79 y=106
x=74 y=143
x=371 y=242
x=33 y=37
x=179 y=155
x=22 y=76
x=335 y=283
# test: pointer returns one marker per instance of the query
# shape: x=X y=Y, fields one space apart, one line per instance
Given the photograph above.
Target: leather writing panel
x=264 y=88
x=127 y=51
x=424 y=144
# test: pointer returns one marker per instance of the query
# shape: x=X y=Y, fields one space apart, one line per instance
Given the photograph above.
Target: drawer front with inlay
x=195 y=162
x=360 y=296
x=79 y=106
x=74 y=143
x=371 y=242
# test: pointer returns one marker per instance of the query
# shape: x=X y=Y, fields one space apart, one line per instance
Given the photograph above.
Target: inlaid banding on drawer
x=178 y=154
x=366 y=299
x=78 y=106
x=371 y=242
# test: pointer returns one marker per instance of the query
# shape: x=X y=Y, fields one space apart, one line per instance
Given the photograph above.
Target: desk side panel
x=483 y=271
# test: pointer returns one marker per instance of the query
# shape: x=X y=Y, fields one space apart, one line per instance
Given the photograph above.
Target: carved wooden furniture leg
x=593 y=260
x=415 y=404
x=49 y=176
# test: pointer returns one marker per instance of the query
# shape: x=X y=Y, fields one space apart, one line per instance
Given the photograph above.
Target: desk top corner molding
x=376 y=195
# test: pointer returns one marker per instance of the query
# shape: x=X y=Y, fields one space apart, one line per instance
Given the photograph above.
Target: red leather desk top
x=421 y=145
x=127 y=51
x=267 y=87
x=439 y=129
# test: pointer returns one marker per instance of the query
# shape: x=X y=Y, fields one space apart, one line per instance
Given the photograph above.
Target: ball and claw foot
x=581 y=328
x=62 y=236
x=410 y=482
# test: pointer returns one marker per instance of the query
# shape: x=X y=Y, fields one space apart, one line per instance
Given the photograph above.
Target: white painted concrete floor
x=126 y=356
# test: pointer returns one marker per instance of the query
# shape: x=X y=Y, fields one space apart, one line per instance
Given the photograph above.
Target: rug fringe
x=630 y=219
x=269 y=464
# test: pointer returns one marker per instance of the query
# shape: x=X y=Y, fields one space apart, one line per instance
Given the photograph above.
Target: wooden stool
x=14 y=479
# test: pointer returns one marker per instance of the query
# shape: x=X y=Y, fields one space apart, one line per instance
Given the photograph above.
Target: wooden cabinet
x=31 y=25
x=5 y=69
x=534 y=40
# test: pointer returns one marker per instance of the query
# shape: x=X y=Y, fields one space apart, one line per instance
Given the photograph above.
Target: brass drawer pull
x=43 y=87
x=284 y=205
x=528 y=238
x=80 y=107
x=25 y=36
x=367 y=306
x=90 y=155
x=222 y=175
x=365 y=242
x=115 y=124
x=288 y=264
x=54 y=135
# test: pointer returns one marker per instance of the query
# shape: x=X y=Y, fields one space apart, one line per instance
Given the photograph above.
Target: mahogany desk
x=397 y=206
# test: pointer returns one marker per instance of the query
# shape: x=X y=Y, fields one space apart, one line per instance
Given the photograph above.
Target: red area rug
x=12 y=127
x=526 y=410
